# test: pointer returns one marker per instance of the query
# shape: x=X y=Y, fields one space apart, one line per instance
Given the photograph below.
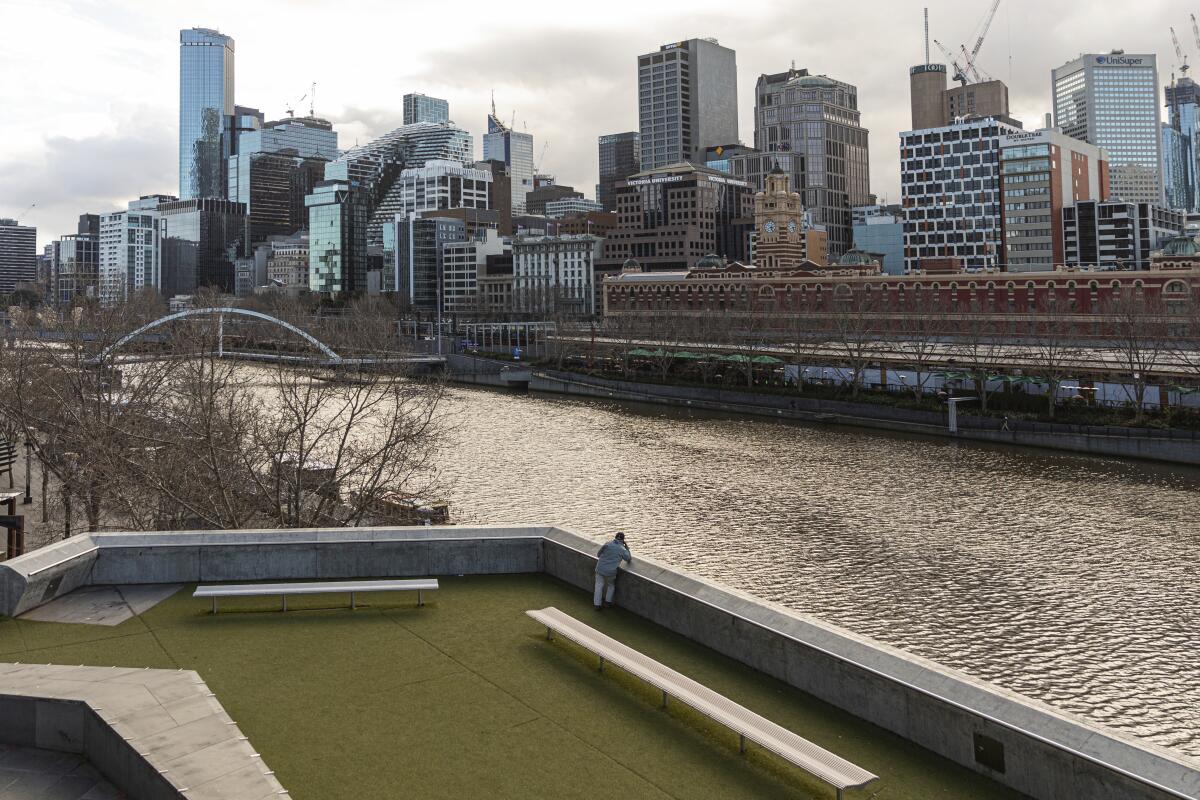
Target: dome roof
x=711 y=261
x=630 y=263
x=855 y=258
x=1181 y=245
x=813 y=80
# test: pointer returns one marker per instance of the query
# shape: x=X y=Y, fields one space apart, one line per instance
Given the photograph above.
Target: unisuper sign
x=1120 y=61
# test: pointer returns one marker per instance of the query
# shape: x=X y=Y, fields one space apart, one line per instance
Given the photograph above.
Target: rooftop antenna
x=312 y=100
x=926 y=35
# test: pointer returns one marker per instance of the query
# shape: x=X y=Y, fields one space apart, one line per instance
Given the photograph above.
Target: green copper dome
x=1181 y=245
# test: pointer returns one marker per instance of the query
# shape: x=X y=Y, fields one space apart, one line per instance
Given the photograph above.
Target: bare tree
x=982 y=346
x=184 y=436
x=855 y=329
x=1052 y=348
x=1137 y=327
x=920 y=337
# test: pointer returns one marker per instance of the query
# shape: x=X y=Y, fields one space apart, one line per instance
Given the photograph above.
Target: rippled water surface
x=1065 y=578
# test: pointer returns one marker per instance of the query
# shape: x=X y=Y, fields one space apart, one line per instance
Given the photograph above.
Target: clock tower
x=783 y=238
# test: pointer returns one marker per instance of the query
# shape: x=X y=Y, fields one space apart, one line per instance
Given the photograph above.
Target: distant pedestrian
x=608 y=559
x=1004 y=427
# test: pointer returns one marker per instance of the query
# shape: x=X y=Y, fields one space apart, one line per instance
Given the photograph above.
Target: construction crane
x=538 y=166
x=311 y=94
x=1183 y=65
x=1196 y=32
x=959 y=74
x=983 y=31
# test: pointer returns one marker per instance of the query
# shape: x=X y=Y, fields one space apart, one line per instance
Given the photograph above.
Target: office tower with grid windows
x=422 y=108
x=1111 y=100
x=18 y=254
x=687 y=101
x=620 y=157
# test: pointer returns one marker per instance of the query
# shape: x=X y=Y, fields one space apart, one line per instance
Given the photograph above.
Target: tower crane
x=959 y=74
x=1183 y=65
x=1196 y=31
x=983 y=31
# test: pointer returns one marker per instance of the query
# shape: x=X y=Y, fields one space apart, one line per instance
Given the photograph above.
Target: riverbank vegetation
x=173 y=433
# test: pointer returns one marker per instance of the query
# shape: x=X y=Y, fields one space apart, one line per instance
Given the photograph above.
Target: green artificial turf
x=465 y=698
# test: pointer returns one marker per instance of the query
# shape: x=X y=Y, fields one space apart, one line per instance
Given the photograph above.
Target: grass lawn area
x=466 y=698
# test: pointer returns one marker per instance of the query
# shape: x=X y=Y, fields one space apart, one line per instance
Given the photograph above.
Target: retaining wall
x=1148 y=444
x=1019 y=742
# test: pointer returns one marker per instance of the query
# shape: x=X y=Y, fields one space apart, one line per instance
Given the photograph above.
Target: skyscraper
x=1111 y=100
x=515 y=149
x=951 y=191
x=620 y=157
x=275 y=168
x=422 y=108
x=18 y=254
x=1181 y=145
x=809 y=126
x=687 y=101
x=205 y=111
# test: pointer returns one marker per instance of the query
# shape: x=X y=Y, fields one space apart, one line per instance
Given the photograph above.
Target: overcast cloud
x=89 y=88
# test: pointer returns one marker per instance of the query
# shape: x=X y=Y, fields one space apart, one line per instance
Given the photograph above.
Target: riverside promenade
x=1177 y=447
x=926 y=730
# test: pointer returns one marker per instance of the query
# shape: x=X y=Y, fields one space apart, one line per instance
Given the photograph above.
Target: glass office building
x=217 y=230
x=337 y=221
x=1181 y=145
x=620 y=157
x=1111 y=100
x=275 y=169
x=206 y=111
x=515 y=149
x=421 y=108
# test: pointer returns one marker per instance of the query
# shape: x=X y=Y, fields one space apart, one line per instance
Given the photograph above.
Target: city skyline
x=73 y=147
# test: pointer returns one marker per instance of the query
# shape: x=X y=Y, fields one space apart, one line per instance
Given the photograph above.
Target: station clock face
x=792 y=227
x=770 y=226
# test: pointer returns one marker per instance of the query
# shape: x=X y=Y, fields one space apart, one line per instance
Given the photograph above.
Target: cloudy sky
x=89 y=91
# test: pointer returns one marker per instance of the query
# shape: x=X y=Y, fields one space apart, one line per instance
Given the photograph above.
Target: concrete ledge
x=1022 y=743
x=154 y=734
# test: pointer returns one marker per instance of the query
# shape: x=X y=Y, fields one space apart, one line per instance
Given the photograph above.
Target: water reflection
x=1065 y=578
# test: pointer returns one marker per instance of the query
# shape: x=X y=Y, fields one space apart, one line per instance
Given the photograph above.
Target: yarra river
x=1066 y=578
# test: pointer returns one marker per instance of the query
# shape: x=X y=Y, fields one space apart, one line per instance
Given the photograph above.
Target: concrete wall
x=1149 y=444
x=1047 y=754
x=72 y=726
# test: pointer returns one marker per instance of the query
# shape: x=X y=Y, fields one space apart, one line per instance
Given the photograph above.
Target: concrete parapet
x=1016 y=741
x=154 y=734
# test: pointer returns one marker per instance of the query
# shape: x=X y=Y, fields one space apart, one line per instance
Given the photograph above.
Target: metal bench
x=832 y=769
x=324 y=587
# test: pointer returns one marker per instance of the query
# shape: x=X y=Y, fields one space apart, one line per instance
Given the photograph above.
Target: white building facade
x=555 y=273
x=951 y=193
x=462 y=263
x=130 y=253
x=439 y=185
x=1111 y=100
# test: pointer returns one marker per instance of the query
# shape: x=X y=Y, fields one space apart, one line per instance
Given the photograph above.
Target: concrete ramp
x=102 y=605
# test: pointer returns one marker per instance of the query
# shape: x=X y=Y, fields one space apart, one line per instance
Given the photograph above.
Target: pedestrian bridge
x=330 y=358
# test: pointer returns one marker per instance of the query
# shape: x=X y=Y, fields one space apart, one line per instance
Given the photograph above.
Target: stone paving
x=27 y=773
x=168 y=716
x=102 y=605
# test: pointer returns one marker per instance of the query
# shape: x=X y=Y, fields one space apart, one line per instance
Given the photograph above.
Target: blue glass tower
x=205 y=111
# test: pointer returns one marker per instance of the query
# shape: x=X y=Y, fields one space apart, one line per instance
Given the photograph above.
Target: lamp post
x=28 y=473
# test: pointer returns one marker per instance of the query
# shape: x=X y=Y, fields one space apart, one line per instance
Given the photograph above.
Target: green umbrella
x=689 y=356
x=739 y=359
x=641 y=353
x=767 y=360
